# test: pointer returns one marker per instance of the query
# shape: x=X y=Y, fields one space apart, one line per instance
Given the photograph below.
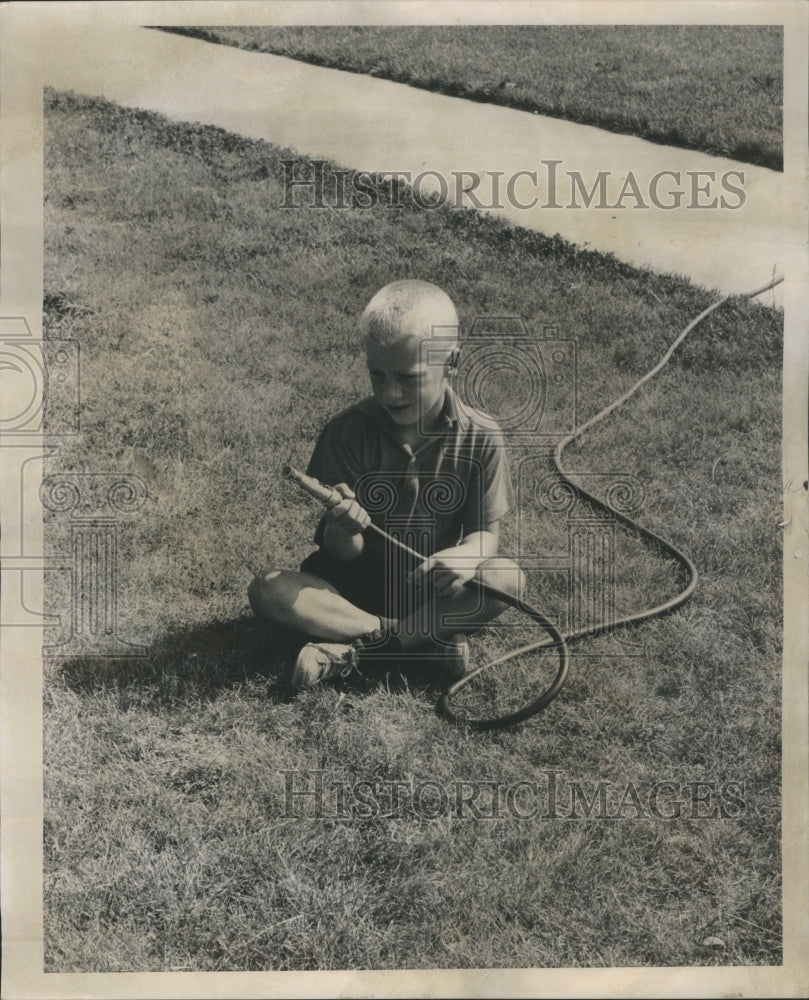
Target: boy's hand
x=347 y=517
x=449 y=569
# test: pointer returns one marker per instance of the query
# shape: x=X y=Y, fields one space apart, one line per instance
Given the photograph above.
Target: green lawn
x=716 y=88
x=218 y=333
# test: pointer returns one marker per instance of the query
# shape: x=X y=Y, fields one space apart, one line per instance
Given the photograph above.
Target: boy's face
x=409 y=390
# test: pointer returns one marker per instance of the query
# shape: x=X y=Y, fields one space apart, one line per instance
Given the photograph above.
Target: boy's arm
x=483 y=542
x=343 y=526
x=451 y=568
x=335 y=461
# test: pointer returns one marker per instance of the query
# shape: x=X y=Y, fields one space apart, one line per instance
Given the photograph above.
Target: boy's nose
x=390 y=393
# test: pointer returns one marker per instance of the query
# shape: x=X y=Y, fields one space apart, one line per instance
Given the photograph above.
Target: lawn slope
x=218 y=333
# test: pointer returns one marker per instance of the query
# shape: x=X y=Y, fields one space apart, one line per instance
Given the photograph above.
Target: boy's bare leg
x=310 y=605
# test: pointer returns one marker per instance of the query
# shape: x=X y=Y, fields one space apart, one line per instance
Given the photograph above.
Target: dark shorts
x=361 y=584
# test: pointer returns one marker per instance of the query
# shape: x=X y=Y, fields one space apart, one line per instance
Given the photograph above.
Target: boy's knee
x=265 y=592
x=278 y=594
x=503 y=574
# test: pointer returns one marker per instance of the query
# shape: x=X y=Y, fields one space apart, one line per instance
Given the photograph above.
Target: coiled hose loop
x=554 y=637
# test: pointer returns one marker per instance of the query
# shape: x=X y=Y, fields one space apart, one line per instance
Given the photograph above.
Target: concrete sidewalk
x=365 y=123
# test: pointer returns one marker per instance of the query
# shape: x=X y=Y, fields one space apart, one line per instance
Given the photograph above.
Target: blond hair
x=409 y=308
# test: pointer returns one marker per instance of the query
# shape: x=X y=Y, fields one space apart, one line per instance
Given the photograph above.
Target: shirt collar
x=455 y=412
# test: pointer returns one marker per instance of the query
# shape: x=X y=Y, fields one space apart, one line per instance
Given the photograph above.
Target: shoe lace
x=348 y=662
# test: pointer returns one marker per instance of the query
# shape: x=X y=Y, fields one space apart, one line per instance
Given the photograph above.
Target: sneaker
x=319 y=660
x=452 y=658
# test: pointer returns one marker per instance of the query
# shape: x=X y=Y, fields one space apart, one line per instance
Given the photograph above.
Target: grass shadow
x=408 y=677
x=204 y=662
x=200 y=662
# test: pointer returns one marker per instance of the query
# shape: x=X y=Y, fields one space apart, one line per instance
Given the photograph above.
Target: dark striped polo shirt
x=455 y=482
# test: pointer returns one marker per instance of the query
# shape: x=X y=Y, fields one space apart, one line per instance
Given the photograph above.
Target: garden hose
x=330 y=497
x=554 y=638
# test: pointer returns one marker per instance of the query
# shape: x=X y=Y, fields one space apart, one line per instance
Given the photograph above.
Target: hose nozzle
x=325 y=494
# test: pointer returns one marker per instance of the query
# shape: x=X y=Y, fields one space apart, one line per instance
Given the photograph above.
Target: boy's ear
x=454 y=360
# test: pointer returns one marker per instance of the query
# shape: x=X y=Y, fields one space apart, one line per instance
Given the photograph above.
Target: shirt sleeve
x=335 y=459
x=489 y=497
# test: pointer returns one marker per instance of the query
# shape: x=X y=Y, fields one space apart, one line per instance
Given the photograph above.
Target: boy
x=433 y=472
